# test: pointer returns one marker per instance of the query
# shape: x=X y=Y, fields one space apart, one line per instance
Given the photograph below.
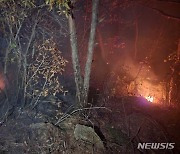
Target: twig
x=40 y=93
x=36 y=71
x=20 y=26
x=77 y=110
x=164 y=14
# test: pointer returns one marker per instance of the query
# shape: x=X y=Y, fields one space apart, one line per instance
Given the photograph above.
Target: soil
x=121 y=123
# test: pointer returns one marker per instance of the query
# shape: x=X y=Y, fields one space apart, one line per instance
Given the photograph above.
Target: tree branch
x=170 y=1
x=164 y=14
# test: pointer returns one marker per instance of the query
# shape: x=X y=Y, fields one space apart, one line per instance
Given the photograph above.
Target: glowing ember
x=150 y=99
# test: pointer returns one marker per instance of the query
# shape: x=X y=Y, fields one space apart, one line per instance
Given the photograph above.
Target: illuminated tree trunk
x=82 y=87
x=90 y=49
x=167 y=93
x=101 y=44
x=178 y=50
x=75 y=59
x=136 y=37
x=170 y=91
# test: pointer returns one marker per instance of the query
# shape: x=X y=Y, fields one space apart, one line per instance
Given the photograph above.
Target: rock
x=47 y=137
x=117 y=136
x=88 y=135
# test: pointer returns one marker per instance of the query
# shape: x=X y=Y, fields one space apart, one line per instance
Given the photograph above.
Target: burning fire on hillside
x=127 y=82
x=152 y=92
x=150 y=99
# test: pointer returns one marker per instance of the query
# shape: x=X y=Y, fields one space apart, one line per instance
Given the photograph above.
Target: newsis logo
x=155 y=146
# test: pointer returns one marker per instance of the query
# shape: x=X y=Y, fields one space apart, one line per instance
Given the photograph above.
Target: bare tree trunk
x=90 y=49
x=6 y=58
x=9 y=46
x=136 y=38
x=178 y=50
x=82 y=87
x=75 y=59
x=101 y=44
x=25 y=64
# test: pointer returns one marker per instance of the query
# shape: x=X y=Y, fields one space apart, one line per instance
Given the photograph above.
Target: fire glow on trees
x=2 y=84
x=125 y=81
x=152 y=92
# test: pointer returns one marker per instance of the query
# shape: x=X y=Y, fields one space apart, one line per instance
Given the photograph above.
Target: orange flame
x=150 y=98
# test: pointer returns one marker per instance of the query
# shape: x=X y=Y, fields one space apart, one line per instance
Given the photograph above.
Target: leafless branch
x=65 y=116
x=170 y=1
x=164 y=14
x=35 y=71
x=38 y=97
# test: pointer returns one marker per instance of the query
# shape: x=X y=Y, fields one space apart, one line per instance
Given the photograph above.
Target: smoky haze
x=126 y=28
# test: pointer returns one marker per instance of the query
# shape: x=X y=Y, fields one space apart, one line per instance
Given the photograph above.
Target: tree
x=32 y=62
x=156 y=4
x=82 y=84
x=90 y=49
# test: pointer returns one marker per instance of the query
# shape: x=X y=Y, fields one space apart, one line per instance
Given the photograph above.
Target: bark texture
x=75 y=59
x=90 y=49
x=82 y=86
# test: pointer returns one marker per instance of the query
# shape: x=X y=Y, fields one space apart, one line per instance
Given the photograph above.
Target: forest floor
x=143 y=121
x=117 y=127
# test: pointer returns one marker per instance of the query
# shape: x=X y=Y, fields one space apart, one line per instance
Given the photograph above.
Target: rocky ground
x=115 y=127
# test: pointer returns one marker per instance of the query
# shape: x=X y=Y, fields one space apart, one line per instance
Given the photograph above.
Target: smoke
x=139 y=79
